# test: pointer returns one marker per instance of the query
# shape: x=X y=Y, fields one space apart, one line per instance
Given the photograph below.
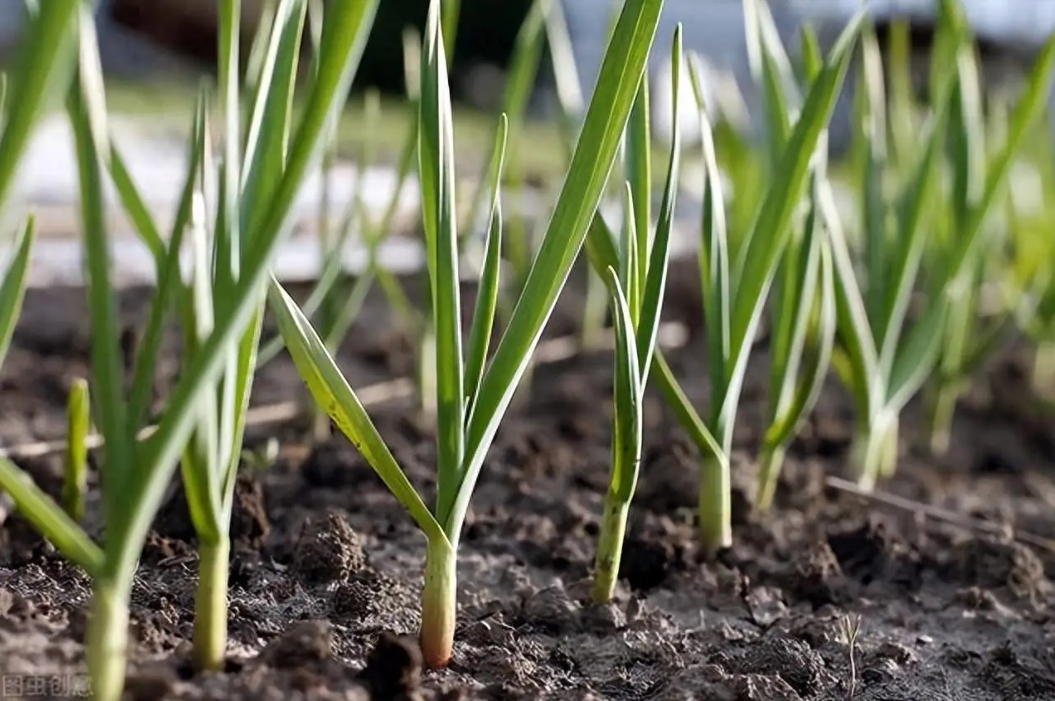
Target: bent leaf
x=333 y=394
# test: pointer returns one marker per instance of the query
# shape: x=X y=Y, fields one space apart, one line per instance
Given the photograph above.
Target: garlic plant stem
x=609 y=548
x=439 y=604
x=107 y=637
x=210 y=605
x=715 y=507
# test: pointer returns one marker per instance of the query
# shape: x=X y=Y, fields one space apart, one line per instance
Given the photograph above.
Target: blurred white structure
x=715 y=30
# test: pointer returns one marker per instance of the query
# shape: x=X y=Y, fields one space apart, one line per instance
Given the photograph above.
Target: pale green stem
x=874 y=450
x=770 y=463
x=891 y=435
x=210 y=605
x=107 y=637
x=439 y=602
x=609 y=548
x=942 y=409
x=75 y=477
x=1044 y=369
x=715 y=508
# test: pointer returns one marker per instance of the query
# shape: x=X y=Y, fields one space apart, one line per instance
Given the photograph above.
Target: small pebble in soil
x=766 y=605
x=328 y=550
x=393 y=668
x=813 y=630
x=880 y=672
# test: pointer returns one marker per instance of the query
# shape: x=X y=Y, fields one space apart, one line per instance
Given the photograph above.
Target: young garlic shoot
x=985 y=177
x=427 y=350
x=637 y=291
x=802 y=297
x=732 y=320
x=53 y=58
x=1030 y=271
x=979 y=318
x=13 y=285
x=967 y=339
x=210 y=464
x=1008 y=273
x=12 y=293
x=804 y=319
x=472 y=395
x=1042 y=331
x=879 y=356
x=1033 y=262
x=75 y=471
x=734 y=295
x=882 y=358
x=746 y=167
x=904 y=117
x=135 y=474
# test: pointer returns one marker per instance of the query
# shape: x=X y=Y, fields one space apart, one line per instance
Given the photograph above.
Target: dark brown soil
x=326 y=565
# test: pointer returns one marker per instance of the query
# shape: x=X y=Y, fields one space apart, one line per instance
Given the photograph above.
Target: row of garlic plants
x=888 y=300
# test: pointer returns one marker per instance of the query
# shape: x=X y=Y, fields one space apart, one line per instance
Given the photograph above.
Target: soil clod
x=994 y=564
x=328 y=550
x=303 y=643
x=552 y=609
x=393 y=668
x=817 y=577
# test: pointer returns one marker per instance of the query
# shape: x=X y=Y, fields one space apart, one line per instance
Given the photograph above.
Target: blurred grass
x=170 y=106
